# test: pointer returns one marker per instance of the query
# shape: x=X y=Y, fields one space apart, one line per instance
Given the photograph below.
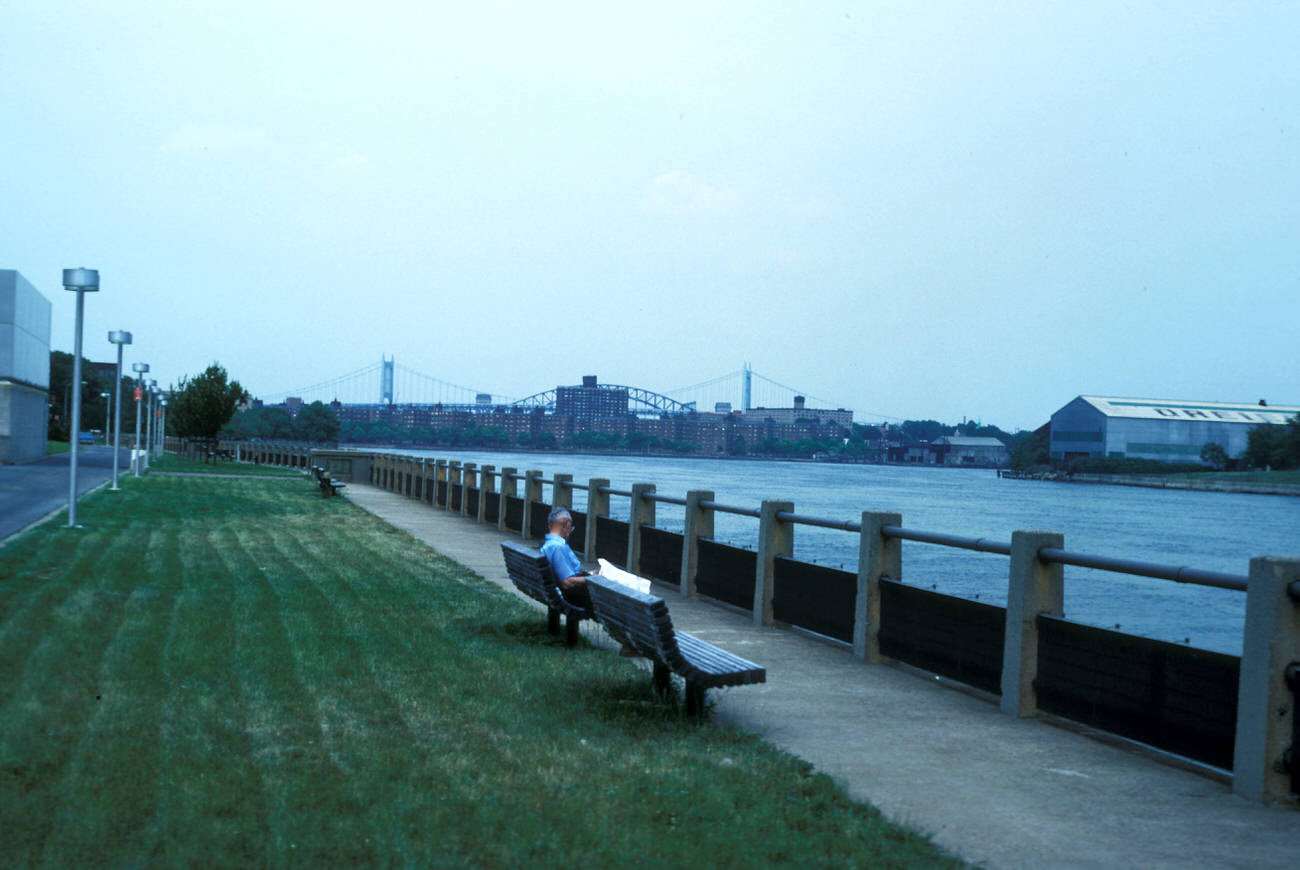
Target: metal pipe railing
x=1194 y=576
x=1178 y=574
x=839 y=525
x=983 y=545
x=728 y=509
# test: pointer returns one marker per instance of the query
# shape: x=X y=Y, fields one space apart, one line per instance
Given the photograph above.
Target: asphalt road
x=31 y=491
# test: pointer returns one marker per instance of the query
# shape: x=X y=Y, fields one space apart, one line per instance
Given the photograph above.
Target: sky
x=941 y=210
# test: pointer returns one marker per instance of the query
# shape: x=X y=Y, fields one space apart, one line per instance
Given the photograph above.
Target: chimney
x=798 y=403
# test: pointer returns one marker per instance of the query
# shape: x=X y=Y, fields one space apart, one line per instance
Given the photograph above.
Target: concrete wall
x=24 y=368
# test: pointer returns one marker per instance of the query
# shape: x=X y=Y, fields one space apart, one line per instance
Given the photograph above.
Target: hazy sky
x=946 y=210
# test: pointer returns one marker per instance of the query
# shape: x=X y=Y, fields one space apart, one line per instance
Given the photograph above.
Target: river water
x=1213 y=531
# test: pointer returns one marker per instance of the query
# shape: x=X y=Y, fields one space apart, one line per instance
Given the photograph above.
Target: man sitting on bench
x=564 y=562
x=565 y=565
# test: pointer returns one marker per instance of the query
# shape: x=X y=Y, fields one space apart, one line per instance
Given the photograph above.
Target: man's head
x=559 y=522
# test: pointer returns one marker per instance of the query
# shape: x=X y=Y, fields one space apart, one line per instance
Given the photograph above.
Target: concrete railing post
x=532 y=493
x=597 y=506
x=486 y=483
x=562 y=491
x=453 y=481
x=1266 y=693
x=1036 y=587
x=775 y=538
x=699 y=524
x=878 y=556
x=440 y=483
x=642 y=513
x=468 y=480
x=509 y=488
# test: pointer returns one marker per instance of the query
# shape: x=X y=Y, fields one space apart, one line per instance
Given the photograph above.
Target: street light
x=150 y=389
x=108 y=410
x=118 y=338
x=162 y=426
x=81 y=282
x=139 y=369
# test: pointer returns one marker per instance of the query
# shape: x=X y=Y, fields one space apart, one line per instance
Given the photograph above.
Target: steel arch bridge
x=639 y=400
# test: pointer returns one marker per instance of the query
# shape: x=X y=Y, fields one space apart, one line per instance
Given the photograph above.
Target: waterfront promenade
x=1000 y=791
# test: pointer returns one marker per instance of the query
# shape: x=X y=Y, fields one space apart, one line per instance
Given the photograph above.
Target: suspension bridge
x=389 y=382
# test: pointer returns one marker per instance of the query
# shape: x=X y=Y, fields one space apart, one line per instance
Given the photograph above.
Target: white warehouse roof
x=1174 y=409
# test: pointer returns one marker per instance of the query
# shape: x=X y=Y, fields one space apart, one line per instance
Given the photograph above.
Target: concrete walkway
x=999 y=791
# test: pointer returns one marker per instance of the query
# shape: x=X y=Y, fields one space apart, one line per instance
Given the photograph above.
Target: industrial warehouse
x=1165 y=429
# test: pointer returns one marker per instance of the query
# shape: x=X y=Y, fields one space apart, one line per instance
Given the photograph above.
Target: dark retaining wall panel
x=815 y=597
x=1173 y=697
x=950 y=636
x=727 y=573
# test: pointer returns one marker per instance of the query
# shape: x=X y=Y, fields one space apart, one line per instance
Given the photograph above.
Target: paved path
x=31 y=491
x=1004 y=792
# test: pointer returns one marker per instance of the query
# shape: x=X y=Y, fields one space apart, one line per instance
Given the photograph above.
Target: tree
x=1214 y=455
x=926 y=430
x=92 y=407
x=200 y=406
x=1030 y=449
x=1274 y=446
x=316 y=422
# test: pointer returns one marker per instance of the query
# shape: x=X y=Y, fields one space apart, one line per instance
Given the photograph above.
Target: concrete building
x=24 y=368
x=1166 y=429
x=591 y=401
x=969 y=450
x=800 y=413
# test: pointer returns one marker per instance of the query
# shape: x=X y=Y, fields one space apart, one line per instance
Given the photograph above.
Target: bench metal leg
x=694 y=699
x=553 y=621
x=571 y=629
x=663 y=681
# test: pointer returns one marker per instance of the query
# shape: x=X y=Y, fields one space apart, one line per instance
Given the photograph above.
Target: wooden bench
x=328 y=486
x=642 y=621
x=531 y=573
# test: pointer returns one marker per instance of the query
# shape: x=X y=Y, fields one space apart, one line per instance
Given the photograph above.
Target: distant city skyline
x=942 y=211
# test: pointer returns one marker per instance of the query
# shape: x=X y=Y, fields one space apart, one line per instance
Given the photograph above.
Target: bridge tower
x=386 y=382
x=746 y=380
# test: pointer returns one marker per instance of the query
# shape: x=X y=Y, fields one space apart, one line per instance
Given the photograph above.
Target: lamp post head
x=119 y=337
x=105 y=395
x=153 y=384
x=139 y=368
x=81 y=279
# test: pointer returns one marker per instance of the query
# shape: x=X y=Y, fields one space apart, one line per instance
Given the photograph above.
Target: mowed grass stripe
x=211 y=791
x=298 y=776
x=54 y=652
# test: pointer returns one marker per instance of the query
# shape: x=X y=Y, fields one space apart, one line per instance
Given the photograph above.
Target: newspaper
x=618 y=575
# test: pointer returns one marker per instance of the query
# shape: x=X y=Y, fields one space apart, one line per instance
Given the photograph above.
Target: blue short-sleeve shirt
x=564 y=562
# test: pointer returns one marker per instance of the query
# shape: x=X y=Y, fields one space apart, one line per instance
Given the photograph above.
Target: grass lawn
x=53 y=447
x=172 y=462
x=237 y=672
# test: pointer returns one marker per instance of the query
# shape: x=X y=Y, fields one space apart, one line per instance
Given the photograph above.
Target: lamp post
x=108 y=410
x=118 y=338
x=148 y=420
x=81 y=282
x=139 y=369
x=162 y=427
